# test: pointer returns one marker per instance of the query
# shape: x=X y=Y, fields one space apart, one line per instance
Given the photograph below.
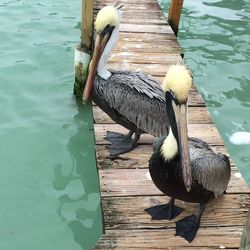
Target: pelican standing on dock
x=132 y=99
x=210 y=172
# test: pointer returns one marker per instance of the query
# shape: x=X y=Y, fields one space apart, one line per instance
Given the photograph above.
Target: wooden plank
x=126 y=2
x=206 y=132
x=144 y=20
x=130 y=4
x=146 y=47
x=165 y=47
x=210 y=238
x=139 y=28
x=136 y=57
x=124 y=182
x=195 y=115
x=137 y=158
x=127 y=213
x=144 y=37
x=152 y=69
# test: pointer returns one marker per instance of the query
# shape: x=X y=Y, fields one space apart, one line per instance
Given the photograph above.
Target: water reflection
x=80 y=200
x=242 y=93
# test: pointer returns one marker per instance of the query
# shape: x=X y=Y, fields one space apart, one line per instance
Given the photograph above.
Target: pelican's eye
x=174 y=98
x=108 y=29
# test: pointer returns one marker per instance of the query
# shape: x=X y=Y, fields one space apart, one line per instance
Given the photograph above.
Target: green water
x=49 y=193
x=215 y=36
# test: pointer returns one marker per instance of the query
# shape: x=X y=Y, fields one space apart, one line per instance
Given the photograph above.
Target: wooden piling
x=83 y=50
x=175 y=14
x=87 y=24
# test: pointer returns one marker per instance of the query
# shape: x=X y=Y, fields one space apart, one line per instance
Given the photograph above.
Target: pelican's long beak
x=184 y=146
x=100 y=44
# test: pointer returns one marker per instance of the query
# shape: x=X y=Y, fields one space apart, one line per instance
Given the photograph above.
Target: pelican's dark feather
x=210 y=172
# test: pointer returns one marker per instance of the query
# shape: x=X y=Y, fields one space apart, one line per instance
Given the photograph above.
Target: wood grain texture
x=206 y=132
x=129 y=212
x=135 y=182
x=137 y=158
x=208 y=238
x=87 y=24
x=195 y=115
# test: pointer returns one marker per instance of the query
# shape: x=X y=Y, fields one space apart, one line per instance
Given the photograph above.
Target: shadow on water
x=80 y=200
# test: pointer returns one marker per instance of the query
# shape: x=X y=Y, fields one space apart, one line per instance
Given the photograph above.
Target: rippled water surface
x=215 y=36
x=49 y=195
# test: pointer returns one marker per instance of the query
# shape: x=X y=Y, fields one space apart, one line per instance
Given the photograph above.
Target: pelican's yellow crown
x=178 y=80
x=106 y=16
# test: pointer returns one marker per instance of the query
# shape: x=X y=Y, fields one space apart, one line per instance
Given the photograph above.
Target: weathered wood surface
x=131 y=159
x=162 y=238
x=206 y=132
x=195 y=115
x=148 y=44
x=134 y=182
x=129 y=217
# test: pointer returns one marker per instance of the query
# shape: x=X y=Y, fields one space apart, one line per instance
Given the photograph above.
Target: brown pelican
x=132 y=99
x=210 y=172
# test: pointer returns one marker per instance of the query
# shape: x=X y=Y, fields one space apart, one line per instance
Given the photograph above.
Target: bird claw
x=114 y=137
x=164 y=212
x=120 y=147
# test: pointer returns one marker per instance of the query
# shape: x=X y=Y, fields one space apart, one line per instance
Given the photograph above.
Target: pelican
x=210 y=172
x=132 y=99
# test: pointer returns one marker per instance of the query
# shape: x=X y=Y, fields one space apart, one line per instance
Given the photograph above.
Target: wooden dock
x=147 y=43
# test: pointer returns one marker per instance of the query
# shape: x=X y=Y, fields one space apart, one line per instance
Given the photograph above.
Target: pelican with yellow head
x=184 y=168
x=132 y=99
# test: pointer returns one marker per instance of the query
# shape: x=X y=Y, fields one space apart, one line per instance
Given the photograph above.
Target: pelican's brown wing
x=137 y=98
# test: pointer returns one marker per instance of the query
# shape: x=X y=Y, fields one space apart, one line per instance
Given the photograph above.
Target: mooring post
x=175 y=14
x=83 y=50
x=87 y=24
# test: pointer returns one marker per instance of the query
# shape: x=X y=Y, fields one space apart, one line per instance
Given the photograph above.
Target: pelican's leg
x=188 y=226
x=123 y=146
x=164 y=212
x=114 y=137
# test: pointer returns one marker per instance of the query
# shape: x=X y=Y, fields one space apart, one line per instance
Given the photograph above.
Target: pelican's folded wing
x=140 y=99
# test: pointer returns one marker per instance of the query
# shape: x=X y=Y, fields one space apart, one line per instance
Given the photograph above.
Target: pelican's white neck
x=102 y=69
x=169 y=147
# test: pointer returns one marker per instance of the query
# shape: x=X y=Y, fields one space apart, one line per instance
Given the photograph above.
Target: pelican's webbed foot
x=115 y=137
x=164 y=212
x=188 y=227
x=122 y=145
